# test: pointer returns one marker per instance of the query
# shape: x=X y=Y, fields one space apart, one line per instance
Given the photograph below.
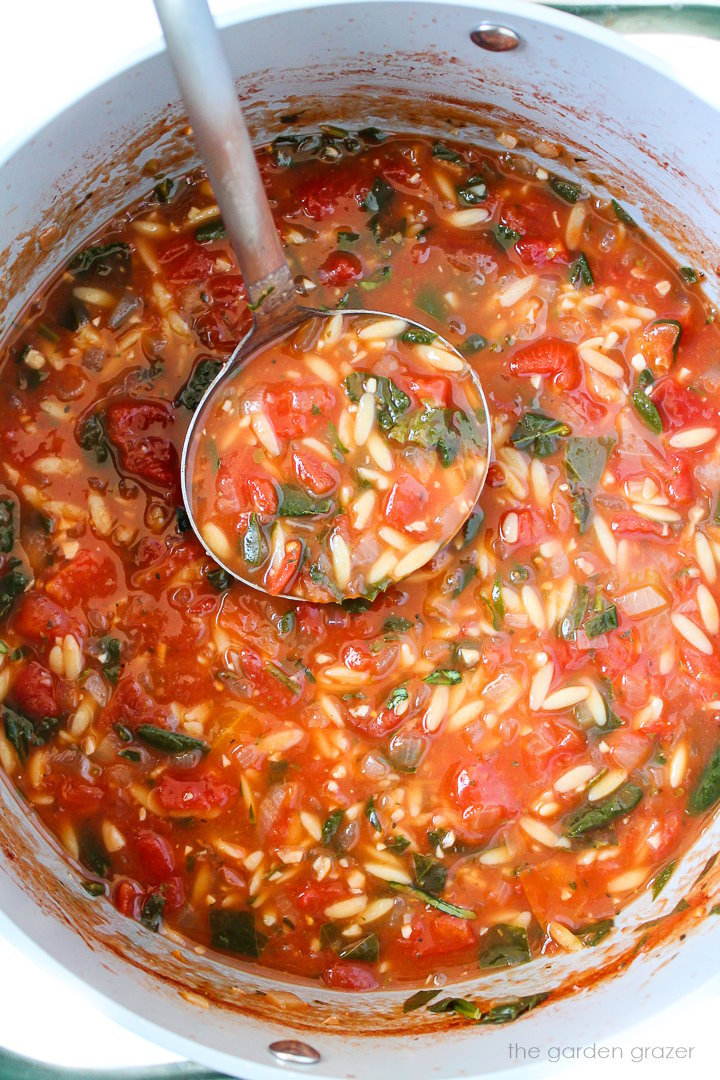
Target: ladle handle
x=203 y=74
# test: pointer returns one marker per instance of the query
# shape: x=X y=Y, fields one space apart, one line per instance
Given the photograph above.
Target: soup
x=472 y=767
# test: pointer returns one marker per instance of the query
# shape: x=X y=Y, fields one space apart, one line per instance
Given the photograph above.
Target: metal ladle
x=203 y=75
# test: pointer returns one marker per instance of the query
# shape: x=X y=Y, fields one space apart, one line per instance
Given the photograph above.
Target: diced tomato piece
x=193 y=796
x=680 y=406
x=271 y=691
x=296 y=410
x=183 y=261
x=628 y=523
x=227 y=288
x=278 y=578
x=484 y=796
x=126 y=897
x=541 y=252
x=680 y=485
x=314 y=473
x=550 y=749
x=436 y=390
x=340 y=268
x=40 y=620
x=343 y=975
x=406 y=501
x=221 y=328
x=320 y=196
x=549 y=356
x=616 y=655
x=380 y=725
x=551 y=896
x=76 y=794
x=146 y=457
x=531 y=527
x=89 y=574
x=238 y=482
x=315 y=896
x=155 y=856
x=357 y=657
x=661 y=339
x=435 y=934
x=34 y=692
x=129 y=705
x=174 y=892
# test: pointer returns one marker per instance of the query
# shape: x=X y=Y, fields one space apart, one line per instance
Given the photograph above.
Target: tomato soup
x=462 y=770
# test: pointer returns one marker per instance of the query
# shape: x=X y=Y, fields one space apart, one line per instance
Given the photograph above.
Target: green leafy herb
x=372 y=815
x=689 y=276
x=647 y=411
x=339 y=449
x=164 y=189
x=130 y=755
x=92 y=437
x=19 y=731
x=111 y=664
x=252 y=542
x=282 y=677
x=434 y=901
x=590 y=818
x=210 y=231
x=444 y=677
x=396 y=624
x=566 y=189
x=661 y=879
x=7 y=529
x=538 y=434
x=432 y=303
x=98 y=258
x=378 y=197
x=505 y=236
x=444 y=153
x=169 y=742
x=235 y=932
x=511 y=1010
x=580 y=272
x=473 y=344
x=182 y=520
x=621 y=213
x=422 y=997
x=365 y=949
x=472 y=191
x=503 y=946
x=430 y=875
x=286 y=623
x=203 y=374
x=602 y=622
x=397 y=843
x=345 y=239
x=434 y=428
x=331 y=826
x=392 y=402
x=12 y=585
x=93 y=888
x=585 y=461
x=376 y=278
x=472 y=526
x=467 y=572
x=151 y=912
x=417 y=335
x=219 y=579
x=295 y=502
x=397 y=698
x=461 y=1006
x=707 y=791
x=593 y=933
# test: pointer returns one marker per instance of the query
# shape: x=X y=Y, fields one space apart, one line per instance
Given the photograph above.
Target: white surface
x=57 y=49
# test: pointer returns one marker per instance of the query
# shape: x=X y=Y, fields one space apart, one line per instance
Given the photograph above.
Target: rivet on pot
x=495 y=38
x=294 y=1052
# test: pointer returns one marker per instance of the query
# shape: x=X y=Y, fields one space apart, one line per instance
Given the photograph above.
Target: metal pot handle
x=702 y=20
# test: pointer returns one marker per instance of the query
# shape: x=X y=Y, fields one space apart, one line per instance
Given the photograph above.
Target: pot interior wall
x=652 y=143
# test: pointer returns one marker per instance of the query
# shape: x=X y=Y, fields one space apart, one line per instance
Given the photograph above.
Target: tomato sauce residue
x=463 y=770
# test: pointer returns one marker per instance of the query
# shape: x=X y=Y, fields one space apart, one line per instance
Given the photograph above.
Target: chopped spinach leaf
x=398 y=697
x=252 y=542
x=538 y=434
x=460 y=1006
x=661 y=879
x=219 y=579
x=331 y=826
x=621 y=213
x=235 y=932
x=433 y=901
x=417 y=335
x=93 y=438
x=580 y=272
x=566 y=189
x=396 y=624
x=593 y=933
x=590 y=818
x=111 y=664
x=295 y=502
x=210 y=231
x=378 y=197
x=505 y=236
x=602 y=622
x=472 y=191
x=7 y=529
x=391 y=401
x=203 y=374
x=444 y=153
x=432 y=303
x=169 y=742
x=372 y=815
x=98 y=258
x=444 y=677
x=416 y=1001
x=707 y=791
x=282 y=677
x=430 y=875
x=164 y=189
x=503 y=946
x=397 y=843
x=365 y=949
x=151 y=912
x=473 y=344
x=12 y=585
x=689 y=276
x=286 y=623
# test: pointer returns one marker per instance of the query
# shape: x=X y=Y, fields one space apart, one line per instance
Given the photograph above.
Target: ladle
x=203 y=74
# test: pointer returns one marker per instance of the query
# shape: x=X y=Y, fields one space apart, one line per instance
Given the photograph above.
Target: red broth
x=341 y=459
x=488 y=758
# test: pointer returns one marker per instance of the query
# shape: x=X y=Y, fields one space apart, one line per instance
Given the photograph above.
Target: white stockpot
x=404 y=65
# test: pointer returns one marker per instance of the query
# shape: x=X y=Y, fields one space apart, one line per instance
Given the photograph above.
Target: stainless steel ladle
x=203 y=75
